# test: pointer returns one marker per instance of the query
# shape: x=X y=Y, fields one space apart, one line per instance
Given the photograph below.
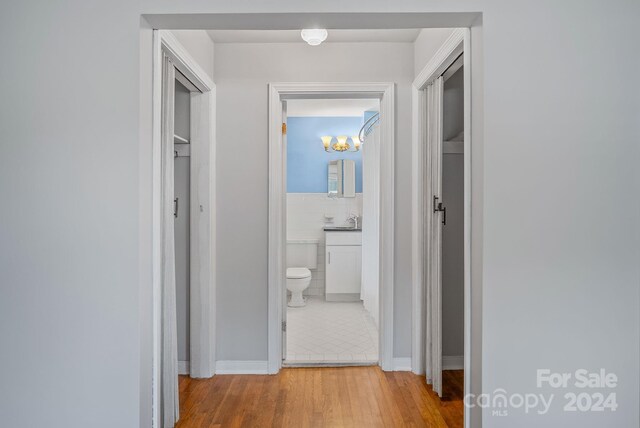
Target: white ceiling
x=293 y=36
x=331 y=107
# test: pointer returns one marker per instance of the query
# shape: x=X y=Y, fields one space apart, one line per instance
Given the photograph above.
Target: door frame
x=277 y=206
x=202 y=205
x=458 y=42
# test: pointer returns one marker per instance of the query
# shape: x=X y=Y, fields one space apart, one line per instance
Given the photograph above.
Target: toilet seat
x=298 y=273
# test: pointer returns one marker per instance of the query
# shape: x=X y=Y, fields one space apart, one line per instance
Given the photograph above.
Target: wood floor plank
x=358 y=397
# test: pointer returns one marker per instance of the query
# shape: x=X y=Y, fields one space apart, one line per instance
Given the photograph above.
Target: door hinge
x=284 y=326
x=284 y=128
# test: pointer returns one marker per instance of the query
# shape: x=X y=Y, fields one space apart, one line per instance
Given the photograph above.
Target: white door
x=284 y=215
x=435 y=218
x=344 y=272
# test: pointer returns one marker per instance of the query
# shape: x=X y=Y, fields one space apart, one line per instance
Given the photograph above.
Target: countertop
x=341 y=229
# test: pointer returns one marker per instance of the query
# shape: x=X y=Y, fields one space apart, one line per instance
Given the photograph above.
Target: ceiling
x=331 y=107
x=293 y=36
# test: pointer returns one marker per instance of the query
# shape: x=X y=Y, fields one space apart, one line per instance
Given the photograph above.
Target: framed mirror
x=342 y=179
x=335 y=179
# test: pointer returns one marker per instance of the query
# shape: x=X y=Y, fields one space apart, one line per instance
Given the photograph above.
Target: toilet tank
x=302 y=253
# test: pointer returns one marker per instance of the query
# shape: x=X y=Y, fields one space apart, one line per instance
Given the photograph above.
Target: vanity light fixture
x=314 y=36
x=341 y=145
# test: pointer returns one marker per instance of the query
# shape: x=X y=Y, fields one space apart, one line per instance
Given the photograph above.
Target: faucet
x=355 y=219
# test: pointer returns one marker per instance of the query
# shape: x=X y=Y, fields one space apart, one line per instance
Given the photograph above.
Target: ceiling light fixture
x=314 y=36
x=342 y=145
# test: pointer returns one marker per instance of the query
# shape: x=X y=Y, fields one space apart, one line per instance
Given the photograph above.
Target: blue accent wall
x=307 y=162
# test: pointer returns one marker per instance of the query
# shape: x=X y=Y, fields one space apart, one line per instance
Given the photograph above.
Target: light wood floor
x=321 y=397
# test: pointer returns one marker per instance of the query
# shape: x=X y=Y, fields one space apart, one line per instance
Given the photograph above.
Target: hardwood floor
x=321 y=397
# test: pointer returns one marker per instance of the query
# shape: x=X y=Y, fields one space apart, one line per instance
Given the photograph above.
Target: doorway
x=332 y=227
x=442 y=246
x=278 y=298
x=183 y=224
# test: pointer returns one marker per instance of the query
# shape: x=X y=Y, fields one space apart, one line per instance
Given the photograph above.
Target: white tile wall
x=306 y=220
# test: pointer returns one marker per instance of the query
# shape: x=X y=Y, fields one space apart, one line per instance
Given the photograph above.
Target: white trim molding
x=452 y=362
x=442 y=59
x=202 y=223
x=242 y=367
x=183 y=367
x=402 y=364
x=277 y=210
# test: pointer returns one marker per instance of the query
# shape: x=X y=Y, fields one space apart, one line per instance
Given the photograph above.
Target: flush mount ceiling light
x=314 y=36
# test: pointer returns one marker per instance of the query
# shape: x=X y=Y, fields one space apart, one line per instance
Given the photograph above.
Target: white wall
x=306 y=213
x=561 y=285
x=145 y=248
x=242 y=73
x=69 y=256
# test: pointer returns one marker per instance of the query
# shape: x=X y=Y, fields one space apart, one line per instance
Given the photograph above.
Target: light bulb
x=326 y=141
x=342 y=143
x=314 y=36
x=356 y=142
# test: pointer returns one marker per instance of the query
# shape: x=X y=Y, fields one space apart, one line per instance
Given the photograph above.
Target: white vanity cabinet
x=343 y=259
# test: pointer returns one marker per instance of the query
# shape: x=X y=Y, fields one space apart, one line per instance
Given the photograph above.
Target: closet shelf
x=179 y=140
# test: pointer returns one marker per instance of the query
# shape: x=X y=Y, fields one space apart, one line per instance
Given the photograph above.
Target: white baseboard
x=183 y=367
x=402 y=364
x=452 y=362
x=242 y=367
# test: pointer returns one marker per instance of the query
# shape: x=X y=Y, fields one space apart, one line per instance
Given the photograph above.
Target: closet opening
x=183 y=224
x=442 y=220
x=452 y=263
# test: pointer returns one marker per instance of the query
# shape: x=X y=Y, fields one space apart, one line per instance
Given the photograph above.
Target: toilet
x=302 y=255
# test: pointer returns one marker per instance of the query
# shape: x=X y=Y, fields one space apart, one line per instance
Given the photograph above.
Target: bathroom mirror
x=335 y=179
x=342 y=178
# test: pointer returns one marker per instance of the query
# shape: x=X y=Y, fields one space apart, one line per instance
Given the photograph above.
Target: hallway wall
x=70 y=336
x=242 y=72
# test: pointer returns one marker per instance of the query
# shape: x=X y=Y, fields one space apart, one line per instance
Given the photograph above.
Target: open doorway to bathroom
x=332 y=231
